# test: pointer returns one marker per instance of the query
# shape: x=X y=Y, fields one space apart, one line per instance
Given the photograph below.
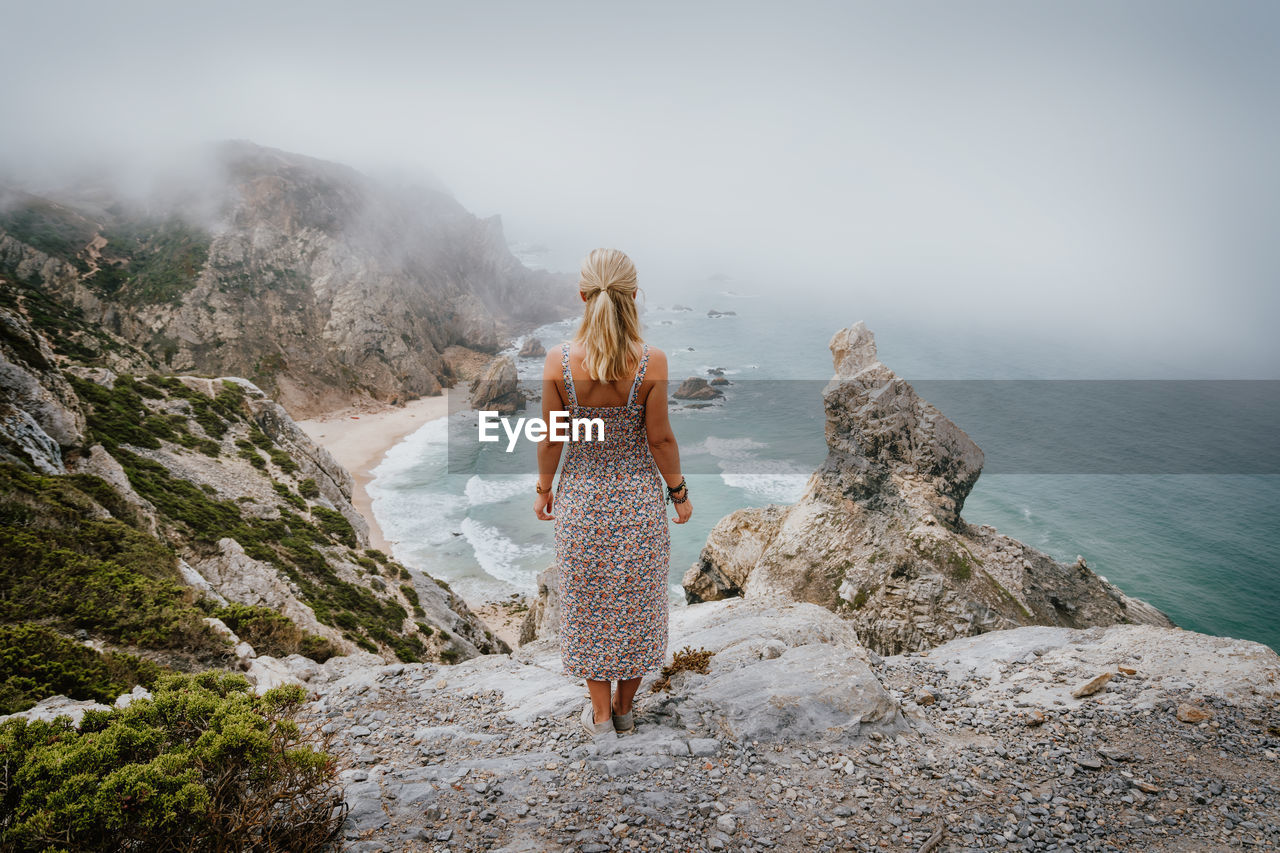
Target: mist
x=1098 y=172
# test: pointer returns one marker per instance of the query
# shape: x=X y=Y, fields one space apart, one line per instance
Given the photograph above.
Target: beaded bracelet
x=538 y=488
x=671 y=492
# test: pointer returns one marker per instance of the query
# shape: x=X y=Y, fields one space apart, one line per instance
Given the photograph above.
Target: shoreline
x=359 y=437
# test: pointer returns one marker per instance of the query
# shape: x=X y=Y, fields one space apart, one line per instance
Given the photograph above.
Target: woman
x=612 y=541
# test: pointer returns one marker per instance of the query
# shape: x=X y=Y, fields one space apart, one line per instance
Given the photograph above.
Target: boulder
x=498 y=388
x=532 y=348
x=696 y=388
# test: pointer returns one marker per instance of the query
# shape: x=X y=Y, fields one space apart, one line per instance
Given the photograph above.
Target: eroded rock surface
x=878 y=536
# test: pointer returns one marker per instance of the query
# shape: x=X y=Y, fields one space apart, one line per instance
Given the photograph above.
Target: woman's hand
x=683 y=511
x=542 y=506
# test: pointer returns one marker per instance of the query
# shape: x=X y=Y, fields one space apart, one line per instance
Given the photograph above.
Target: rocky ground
x=982 y=747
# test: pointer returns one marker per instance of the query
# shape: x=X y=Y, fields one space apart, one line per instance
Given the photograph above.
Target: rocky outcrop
x=696 y=388
x=532 y=348
x=542 y=619
x=320 y=285
x=878 y=536
x=498 y=388
x=39 y=416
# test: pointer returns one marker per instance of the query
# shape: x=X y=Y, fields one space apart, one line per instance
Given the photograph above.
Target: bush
x=36 y=661
x=205 y=764
x=270 y=632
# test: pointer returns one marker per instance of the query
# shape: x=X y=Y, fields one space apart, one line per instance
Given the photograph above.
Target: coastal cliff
x=177 y=522
x=878 y=536
x=320 y=285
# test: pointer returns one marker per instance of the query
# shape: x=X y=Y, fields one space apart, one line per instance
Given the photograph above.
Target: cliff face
x=141 y=514
x=879 y=538
x=321 y=286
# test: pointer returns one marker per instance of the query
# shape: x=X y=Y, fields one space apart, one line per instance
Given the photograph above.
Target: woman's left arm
x=548 y=451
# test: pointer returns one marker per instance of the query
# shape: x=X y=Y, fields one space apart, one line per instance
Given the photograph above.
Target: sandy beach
x=358 y=439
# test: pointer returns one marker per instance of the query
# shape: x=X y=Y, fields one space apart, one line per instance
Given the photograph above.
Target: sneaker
x=596 y=731
x=625 y=724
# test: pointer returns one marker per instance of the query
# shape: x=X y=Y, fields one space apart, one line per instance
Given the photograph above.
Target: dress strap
x=568 y=375
x=635 y=386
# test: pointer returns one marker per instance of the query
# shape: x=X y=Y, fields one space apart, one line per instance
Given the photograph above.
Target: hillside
x=154 y=522
x=319 y=285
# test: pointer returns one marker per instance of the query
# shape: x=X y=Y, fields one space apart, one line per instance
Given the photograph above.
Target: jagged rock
x=498 y=388
x=39 y=414
x=237 y=577
x=878 y=535
x=265 y=672
x=733 y=548
x=532 y=348
x=696 y=388
x=542 y=619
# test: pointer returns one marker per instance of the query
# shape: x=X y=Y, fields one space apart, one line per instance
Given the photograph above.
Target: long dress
x=612 y=544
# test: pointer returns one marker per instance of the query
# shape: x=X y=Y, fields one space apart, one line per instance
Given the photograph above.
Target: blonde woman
x=612 y=540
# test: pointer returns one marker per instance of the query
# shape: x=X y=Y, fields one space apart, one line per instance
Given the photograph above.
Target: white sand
x=359 y=440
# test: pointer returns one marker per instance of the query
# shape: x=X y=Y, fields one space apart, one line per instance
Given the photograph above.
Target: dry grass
x=685 y=660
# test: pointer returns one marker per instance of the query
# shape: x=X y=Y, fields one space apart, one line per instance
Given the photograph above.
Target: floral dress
x=612 y=544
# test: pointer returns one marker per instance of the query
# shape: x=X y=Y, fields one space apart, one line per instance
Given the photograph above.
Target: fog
x=1101 y=170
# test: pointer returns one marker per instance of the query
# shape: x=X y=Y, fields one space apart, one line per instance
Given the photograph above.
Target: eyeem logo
x=560 y=428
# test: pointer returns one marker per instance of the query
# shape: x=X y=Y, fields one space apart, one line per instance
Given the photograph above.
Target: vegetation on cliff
x=203 y=764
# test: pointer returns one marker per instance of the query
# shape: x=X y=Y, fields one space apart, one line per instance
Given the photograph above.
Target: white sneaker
x=597 y=731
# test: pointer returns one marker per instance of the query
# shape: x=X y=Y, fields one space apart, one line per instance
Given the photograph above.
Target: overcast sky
x=1110 y=165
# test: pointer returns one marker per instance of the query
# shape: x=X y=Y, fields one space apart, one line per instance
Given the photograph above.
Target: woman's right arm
x=662 y=439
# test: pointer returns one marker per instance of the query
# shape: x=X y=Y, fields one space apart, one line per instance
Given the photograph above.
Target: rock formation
x=878 y=536
x=532 y=348
x=498 y=388
x=696 y=388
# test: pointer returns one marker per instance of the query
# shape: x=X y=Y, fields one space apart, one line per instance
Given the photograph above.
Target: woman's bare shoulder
x=657 y=363
x=551 y=366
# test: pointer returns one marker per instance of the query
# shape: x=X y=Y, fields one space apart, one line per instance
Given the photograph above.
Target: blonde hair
x=610 y=324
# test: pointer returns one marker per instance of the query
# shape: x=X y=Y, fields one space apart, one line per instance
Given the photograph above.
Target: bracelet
x=538 y=488
x=672 y=492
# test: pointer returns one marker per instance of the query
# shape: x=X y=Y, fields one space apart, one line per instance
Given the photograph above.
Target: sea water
x=1201 y=547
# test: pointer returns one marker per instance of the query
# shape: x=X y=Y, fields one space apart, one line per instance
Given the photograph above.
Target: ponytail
x=610 y=324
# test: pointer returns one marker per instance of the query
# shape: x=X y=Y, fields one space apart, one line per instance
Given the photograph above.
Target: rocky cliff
x=878 y=536
x=318 y=284
x=181 y=521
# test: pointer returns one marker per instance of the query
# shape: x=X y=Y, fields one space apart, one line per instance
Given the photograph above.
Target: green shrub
x=270 y=632
x=205 y=764
x=285 y=492
x=62 y=566
x=36 y=661
x=335 y=524
x=308 y=488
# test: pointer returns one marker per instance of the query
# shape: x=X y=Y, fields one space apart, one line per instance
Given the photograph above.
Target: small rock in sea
x=532 y=348
x=714 y=313
x=696 y=388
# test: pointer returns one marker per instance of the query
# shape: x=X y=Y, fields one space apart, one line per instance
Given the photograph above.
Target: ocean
x=1197 y=541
